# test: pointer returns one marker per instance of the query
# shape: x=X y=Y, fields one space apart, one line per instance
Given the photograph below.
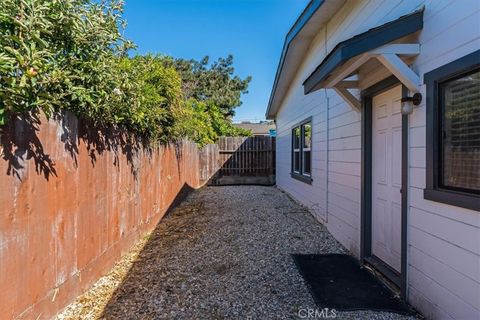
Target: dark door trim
x=399 y=279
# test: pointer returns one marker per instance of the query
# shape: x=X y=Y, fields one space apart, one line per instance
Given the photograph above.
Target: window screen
x=453 y=133
x=460 y=135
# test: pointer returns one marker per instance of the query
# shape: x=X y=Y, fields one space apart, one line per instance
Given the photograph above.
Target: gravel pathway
x=224 y=253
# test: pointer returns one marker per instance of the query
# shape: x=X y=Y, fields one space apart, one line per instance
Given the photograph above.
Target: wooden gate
x=245 y=160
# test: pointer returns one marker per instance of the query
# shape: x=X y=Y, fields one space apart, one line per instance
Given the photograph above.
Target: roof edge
x=301 y=21
x=363 y=42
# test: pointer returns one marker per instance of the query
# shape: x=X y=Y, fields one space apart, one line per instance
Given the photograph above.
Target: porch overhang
x=388 y=44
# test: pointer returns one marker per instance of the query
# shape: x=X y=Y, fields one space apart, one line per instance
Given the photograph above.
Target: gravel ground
x=224 y=253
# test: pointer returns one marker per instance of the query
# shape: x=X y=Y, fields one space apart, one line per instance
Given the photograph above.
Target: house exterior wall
x=443 y=240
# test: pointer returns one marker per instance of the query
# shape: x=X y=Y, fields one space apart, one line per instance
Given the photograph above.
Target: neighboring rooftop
x=259 y=128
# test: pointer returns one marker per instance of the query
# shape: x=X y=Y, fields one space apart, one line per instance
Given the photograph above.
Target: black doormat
x=337 y=281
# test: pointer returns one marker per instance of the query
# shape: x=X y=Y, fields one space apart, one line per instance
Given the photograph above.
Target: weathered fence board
x=73 y=199
x=209 y=160
x=89 y=194
x=244 y=160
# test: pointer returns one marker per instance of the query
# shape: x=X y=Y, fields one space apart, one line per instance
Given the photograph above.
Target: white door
x=387 y=176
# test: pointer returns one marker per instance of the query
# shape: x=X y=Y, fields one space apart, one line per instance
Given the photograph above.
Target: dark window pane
x=307 y=135
x=460 y=150
x=296 y=138
x=307 y=162
x=296 y=161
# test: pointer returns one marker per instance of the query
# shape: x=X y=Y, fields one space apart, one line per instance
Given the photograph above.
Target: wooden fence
x=243 y=160
x=73 y=199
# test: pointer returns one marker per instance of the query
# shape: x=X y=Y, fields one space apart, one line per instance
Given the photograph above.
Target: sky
x=253 y=31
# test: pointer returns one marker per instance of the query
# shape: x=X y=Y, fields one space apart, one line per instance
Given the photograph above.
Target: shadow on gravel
x=226 y=253
x=145 y=280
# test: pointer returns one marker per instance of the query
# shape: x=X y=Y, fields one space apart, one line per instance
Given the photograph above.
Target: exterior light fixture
x=408 y=103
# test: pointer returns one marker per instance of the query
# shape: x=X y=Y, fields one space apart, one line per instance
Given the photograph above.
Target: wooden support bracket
x=348 y=97
x=403 y=72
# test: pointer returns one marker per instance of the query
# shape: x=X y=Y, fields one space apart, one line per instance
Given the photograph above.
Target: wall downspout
x=327 y=156
x=327 y=138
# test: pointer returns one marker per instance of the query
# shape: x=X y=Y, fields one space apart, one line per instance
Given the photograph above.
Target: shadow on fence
x=21 y=141
x=74 y=197
x=90 y=192
x=231 y=161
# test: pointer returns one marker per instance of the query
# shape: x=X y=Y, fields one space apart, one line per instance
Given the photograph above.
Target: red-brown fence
x=72 y=200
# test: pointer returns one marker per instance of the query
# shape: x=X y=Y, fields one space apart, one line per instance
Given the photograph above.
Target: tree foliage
x=62 y=54
x=155 y=97
x=204 y=123
x=215 y=83
x=57 y=54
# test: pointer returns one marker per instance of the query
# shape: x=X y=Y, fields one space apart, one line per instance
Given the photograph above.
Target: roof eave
x=303 y=20
x=362 y=43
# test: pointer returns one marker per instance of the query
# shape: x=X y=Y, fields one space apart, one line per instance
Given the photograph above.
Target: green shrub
x=62 y=54
x=156 y=97
x=204 y=123
x=59 y=54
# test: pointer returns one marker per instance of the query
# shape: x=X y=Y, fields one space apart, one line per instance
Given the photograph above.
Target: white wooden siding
x=443 y=240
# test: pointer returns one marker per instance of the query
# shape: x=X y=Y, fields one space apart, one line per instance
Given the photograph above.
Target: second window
x=301 y=149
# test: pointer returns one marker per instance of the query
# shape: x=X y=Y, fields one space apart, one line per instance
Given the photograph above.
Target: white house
x=377 y=107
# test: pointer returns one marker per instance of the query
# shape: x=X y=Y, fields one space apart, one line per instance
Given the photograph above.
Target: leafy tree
x=61 y=54
x=58 y=54
x=215 y=84
x=204 y=123
x=156 y=98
